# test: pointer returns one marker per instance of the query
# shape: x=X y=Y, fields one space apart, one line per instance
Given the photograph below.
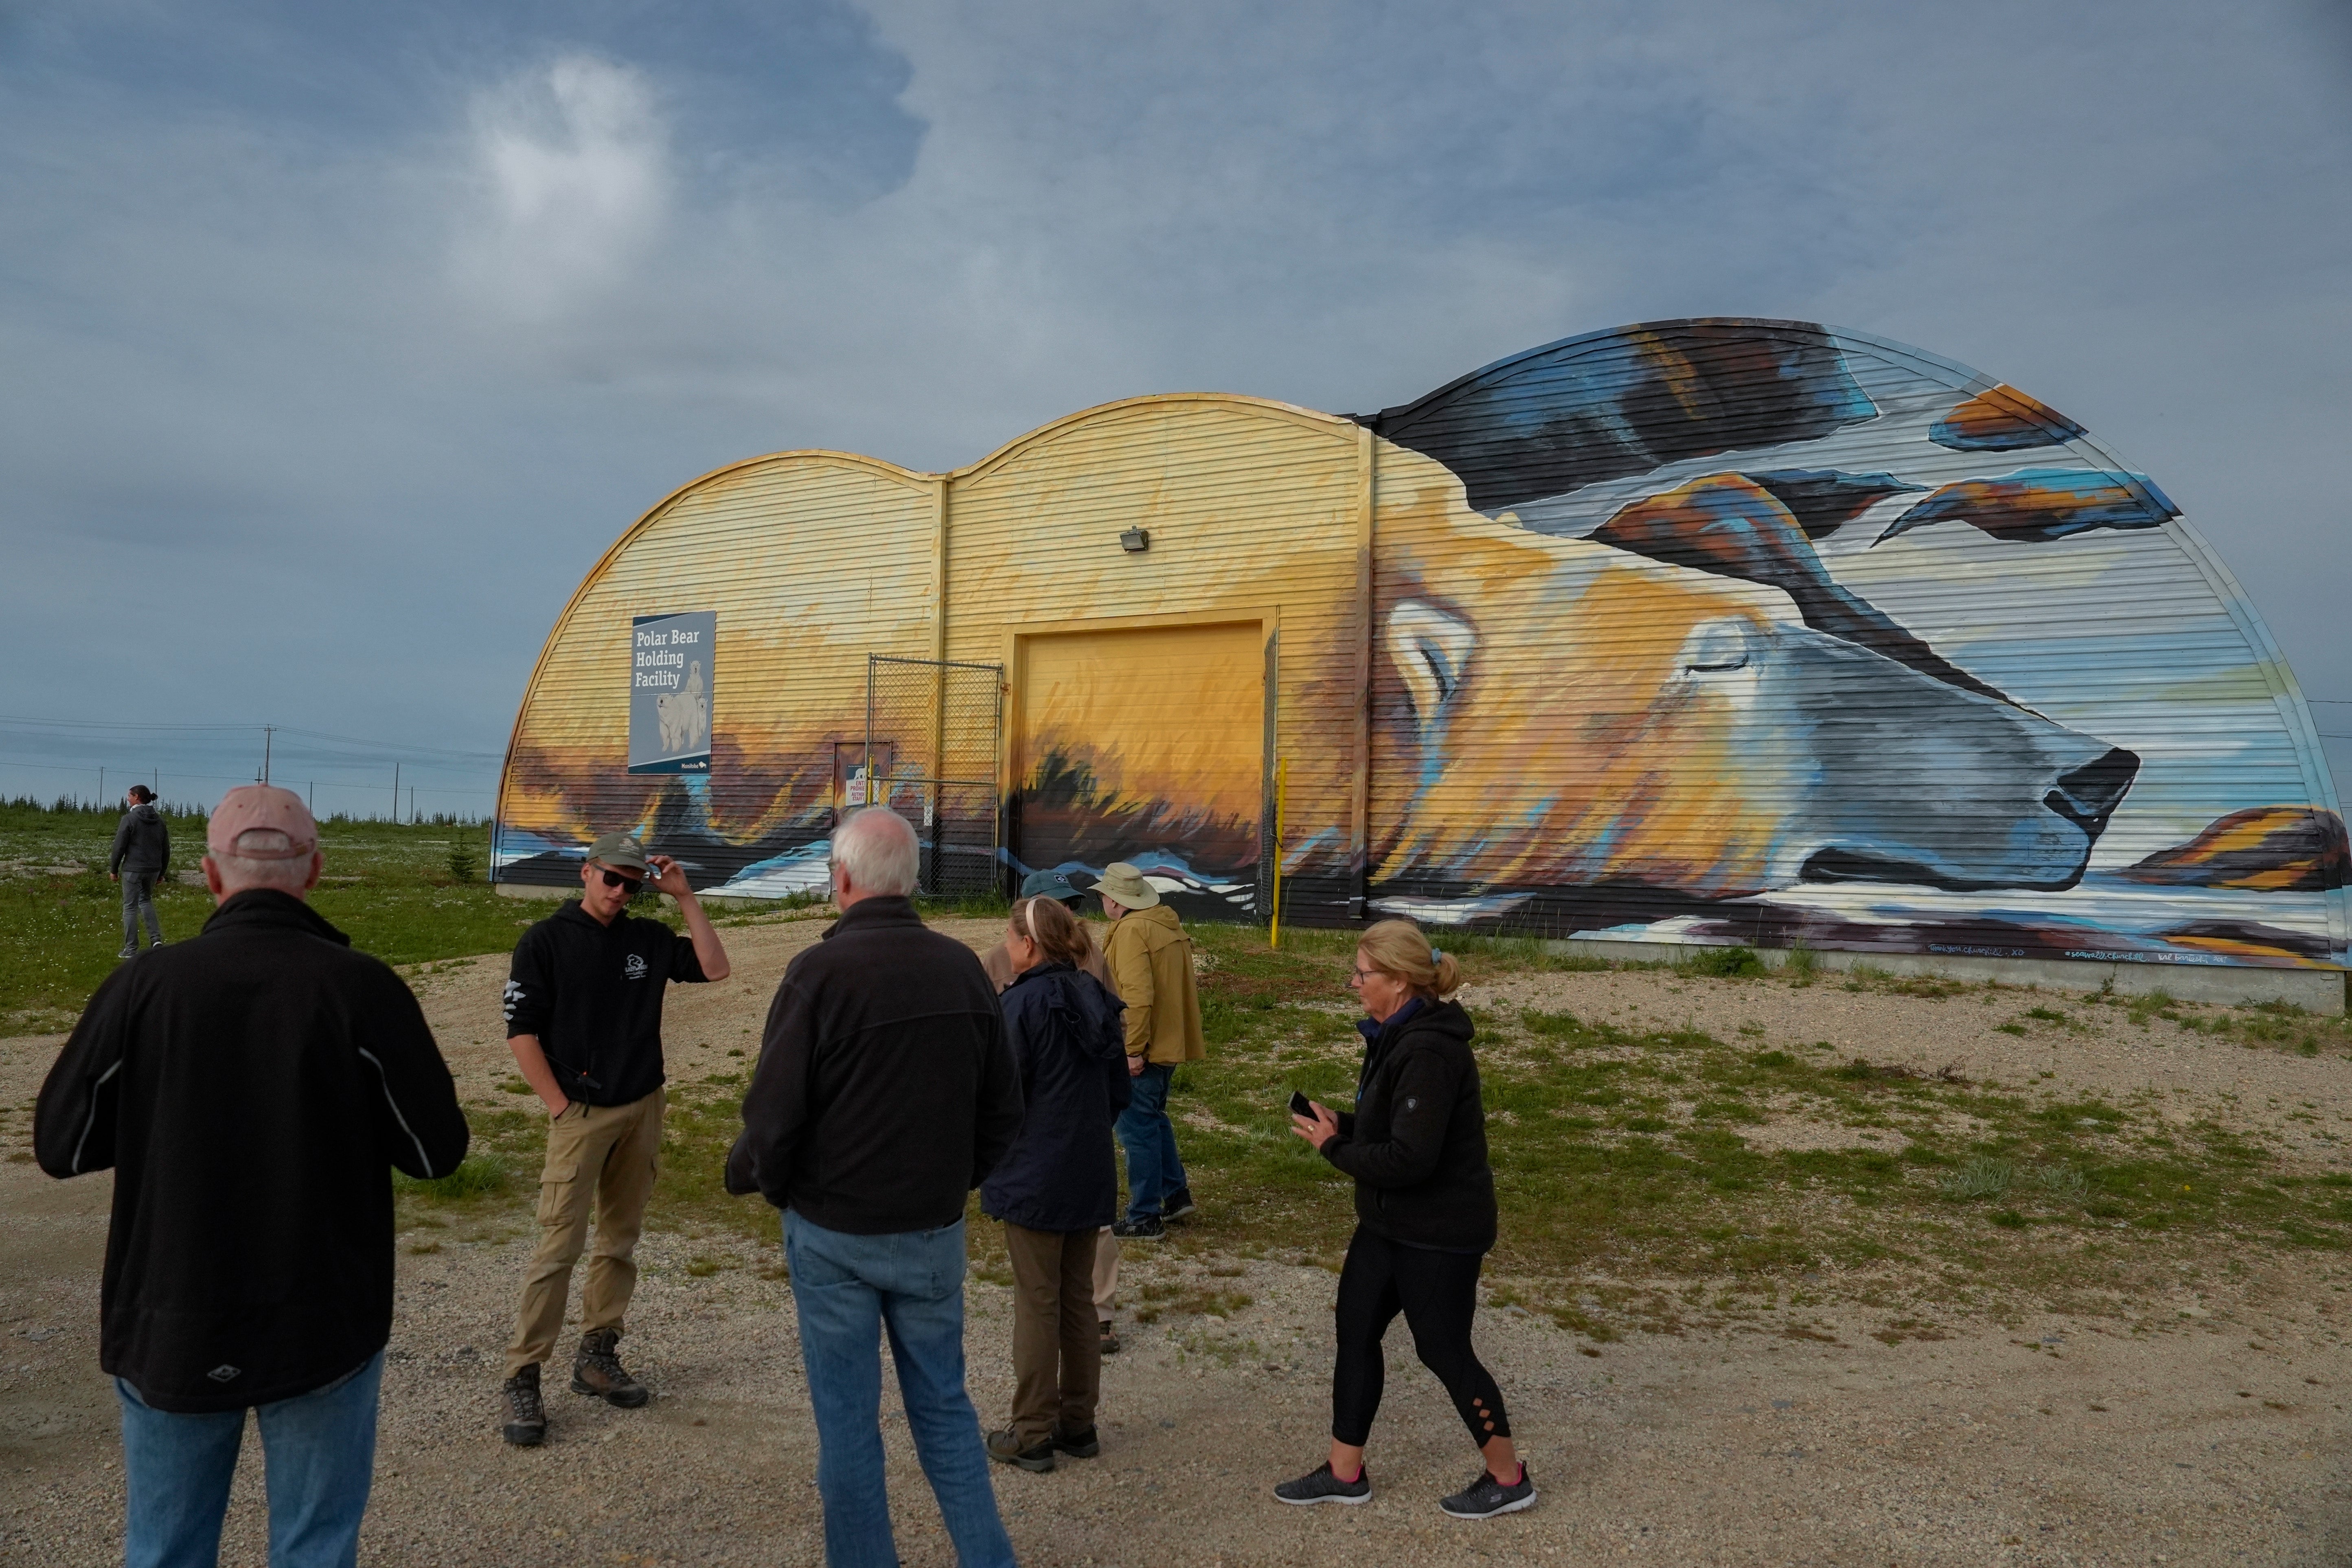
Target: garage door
x=1145 y=746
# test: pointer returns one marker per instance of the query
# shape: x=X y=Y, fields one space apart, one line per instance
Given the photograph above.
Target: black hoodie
x=251 y=1089
x=142 y=844
x=1417 y=1143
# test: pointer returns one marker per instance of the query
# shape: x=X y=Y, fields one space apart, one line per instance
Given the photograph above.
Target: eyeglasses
x=615 y=879
x=1357 y=977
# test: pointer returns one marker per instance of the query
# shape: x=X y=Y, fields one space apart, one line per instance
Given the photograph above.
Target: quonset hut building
x=1701 y=632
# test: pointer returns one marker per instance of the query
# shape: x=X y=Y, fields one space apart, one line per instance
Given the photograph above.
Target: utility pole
x=310 y=798
x=396 y=791
x=412 y=805
x=267 y=730
x=101 y=786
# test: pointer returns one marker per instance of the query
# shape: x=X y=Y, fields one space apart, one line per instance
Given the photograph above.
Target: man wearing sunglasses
x=583 y=1004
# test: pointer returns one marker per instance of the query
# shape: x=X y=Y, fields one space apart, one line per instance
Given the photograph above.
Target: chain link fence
x=934 y=730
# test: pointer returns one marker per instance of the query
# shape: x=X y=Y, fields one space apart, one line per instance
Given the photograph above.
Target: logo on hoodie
x=634 y=969
x=224 y=1371
x=513 y=996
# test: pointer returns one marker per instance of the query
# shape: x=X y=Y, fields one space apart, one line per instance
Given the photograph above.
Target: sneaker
x=1320 y=1485
x=155 y=944
x=1082 y=1445
x=526 y=1425
x=1179 y=1205
x=1006 y=1445
x=128 y=952
x=1109 y=1338
x=1486 y=1497
x=1142 y=1227
x=597 y=1371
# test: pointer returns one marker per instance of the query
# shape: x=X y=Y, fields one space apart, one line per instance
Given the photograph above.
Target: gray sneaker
x=1320 y=1485
x=1486 y=1497
x=1005 y=1445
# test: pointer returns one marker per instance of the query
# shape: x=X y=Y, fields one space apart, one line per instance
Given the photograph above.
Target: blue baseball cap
x=1049 y=885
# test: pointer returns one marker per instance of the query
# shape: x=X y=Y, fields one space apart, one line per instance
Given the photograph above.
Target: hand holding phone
x=1301 y=1106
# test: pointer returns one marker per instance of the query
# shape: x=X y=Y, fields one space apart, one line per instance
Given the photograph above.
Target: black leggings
x=1438 y=1293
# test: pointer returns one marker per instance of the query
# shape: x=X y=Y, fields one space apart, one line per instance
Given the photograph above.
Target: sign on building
x=669 y=691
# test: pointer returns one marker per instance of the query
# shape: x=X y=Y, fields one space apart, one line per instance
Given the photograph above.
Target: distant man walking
x=885 y=1092
x=251 y=1089
x=1150 y=962
x=141 y=858
x=583 y=1004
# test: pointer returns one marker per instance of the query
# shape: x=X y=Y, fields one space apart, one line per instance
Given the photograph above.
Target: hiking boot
x=1486 y=1497
x=1320 y=1485
x=1142 y=1227
x=1006 y=1445
x=526 y=1425
x=1179 y=1205
x=597 y=1371
x=1082 y=1445
x=1109 y=1338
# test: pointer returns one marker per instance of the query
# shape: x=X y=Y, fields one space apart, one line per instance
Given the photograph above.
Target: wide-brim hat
x=1124 y=885
x=622 y=851
x=1049 y=885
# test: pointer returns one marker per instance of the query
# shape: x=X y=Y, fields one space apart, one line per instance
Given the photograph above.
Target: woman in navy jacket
x=1057 y=1186
x=1416 y=1145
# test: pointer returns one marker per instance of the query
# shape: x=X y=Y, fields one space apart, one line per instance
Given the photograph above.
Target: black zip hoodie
x=1417 y=1143
x=251 y=1089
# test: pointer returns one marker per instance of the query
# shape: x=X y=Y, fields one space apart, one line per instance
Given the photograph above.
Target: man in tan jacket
x=1150 y=960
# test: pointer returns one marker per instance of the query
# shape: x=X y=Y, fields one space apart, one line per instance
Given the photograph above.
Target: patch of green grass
x=389 y=887
x=1726 y=963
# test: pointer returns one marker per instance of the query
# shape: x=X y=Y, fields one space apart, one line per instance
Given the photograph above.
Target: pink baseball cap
x=261 y=808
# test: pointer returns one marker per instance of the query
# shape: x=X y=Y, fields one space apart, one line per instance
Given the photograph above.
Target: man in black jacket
x=251 y=1090
x=583 y=1020
x=885 y=1092
x=140 y=858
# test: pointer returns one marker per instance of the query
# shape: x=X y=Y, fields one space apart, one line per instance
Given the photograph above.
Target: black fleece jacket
x=252 y=1089
x=1417 y=1143
x=885 y=1091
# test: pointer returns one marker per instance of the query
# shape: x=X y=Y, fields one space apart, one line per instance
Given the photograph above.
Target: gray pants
x=139 y=899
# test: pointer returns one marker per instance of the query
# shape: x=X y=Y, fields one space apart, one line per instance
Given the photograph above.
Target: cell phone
x=1300 y=1107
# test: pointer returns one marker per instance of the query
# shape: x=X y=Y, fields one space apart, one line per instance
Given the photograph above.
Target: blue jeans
x=1154 y=1174
x=138 y=901
x=849 y=1291
x=321 y=1451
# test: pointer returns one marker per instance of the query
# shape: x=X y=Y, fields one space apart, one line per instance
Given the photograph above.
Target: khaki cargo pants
x=602 y=1158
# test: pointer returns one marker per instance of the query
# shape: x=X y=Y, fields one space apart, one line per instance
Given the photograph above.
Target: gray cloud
x=391 y=321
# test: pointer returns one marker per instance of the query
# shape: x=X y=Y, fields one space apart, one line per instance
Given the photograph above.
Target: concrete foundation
x=2315 y=990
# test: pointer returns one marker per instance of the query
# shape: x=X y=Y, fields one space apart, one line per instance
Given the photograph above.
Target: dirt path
x=2036 y=1441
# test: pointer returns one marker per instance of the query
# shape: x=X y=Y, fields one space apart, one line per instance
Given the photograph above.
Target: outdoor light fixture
x=1135 y=541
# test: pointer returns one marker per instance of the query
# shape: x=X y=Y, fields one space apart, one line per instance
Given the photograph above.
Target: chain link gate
x=934 y=730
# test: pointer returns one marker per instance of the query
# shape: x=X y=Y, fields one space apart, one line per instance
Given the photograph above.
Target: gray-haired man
x=583 y=1020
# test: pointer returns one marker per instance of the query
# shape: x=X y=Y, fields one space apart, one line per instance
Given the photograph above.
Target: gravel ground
x=2039 y=1441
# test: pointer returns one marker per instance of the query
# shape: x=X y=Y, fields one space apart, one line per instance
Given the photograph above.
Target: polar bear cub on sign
x=685 y=716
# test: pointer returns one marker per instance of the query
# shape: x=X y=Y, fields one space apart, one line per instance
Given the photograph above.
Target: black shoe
x=526 y=1425
x=1486 y=1497
x=155 y=944
x=1142 y=1227
x=1006 y=1445
x=1320 y=1485
x=1179 y=1205
x=128 y=952
x=1109 y=1338
x=597 y=1371
x=1082 y=1445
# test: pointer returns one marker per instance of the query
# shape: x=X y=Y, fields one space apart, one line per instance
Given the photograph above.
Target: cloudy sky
x=337 y=342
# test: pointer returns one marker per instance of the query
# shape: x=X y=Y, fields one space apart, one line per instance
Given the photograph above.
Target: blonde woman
x=1057 y=1185
x=1416 y=1145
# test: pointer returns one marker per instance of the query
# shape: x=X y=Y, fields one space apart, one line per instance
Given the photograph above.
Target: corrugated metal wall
x=1253 y=513
x=811 y=561
x=1702 y=630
